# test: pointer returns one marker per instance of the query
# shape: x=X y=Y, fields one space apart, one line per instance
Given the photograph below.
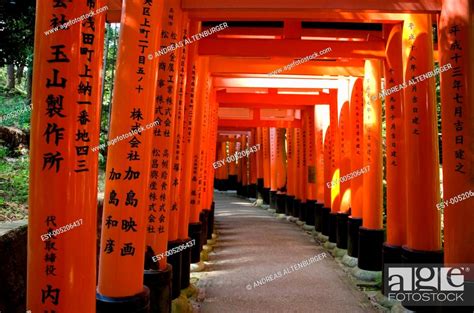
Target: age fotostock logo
x=428 y=285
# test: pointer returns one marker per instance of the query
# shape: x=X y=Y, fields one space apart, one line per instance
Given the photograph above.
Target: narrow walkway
x=253 y=244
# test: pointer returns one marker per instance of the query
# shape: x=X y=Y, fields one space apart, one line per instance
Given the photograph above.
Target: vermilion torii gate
x=315 y=123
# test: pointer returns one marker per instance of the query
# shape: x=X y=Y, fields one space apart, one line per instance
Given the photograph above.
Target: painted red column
x=371 y=234
x=122 y=250
x=422 y=165
x=63 y=168
x=457 y=111
x=266 y=164
x=357 y=164
x=291 y=175
x=321 y=123
x=395 y=164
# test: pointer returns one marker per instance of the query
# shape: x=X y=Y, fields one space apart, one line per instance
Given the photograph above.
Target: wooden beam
x=272 y=99
x=286 y=83
x=261 y=106
x=292 y=48
x=400 y=6
x=226 y=65
x=246 y=124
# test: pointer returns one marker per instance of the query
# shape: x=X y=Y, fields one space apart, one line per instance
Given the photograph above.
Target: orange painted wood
x=327 y=167
x=273 y=159
x=310 y=171
x=456 y=39
x=345 y=156
x=321 y=124
x=259 y=155
x=160 y=202
x=290 y=155
x=335 y=155
x=294 y=48
x=124 y=227
x=176 y=158
x=395 y=138
x=62 y=162
x=199 y=140
x=423 y=218
x=190 y=112
x=372 y=197
x=357 y=147
x=272 y=99
x=266 y=157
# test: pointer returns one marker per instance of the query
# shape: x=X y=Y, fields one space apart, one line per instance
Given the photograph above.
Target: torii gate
x=158 y=191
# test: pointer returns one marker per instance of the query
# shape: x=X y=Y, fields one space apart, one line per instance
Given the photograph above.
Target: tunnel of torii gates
x=311 y=125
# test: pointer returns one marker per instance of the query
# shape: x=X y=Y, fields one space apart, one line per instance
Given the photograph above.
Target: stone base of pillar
x=289 y=204
x=281 y=203
x=325 y=221
x=210 y=222
x=266 y=195
x=232 y=182
x=260 y=188
x=332 y=227
x=353 y=224
x=176 y=264
x=390 y=255
x=341 y=238
x=139 y=303
x=273 y=199
x=185 y=265
x=203 y=218
x=159 y=283
x=417 y=256
x=370 y=248
x=296 y=208
x=411 y=256
x=303 y=210
x=252 y=191
x=238 y=188
x=194 y=231
x=318 y=214
x=310 y=212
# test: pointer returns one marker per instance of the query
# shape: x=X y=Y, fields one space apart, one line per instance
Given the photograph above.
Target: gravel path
x=253 y=244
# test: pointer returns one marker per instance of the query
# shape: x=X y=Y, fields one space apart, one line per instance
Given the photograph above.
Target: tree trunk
x=19 y=74
x=11 y=77
x=29 y=82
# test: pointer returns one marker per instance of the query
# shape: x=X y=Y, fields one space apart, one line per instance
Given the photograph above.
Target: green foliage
x=18 y=40
x=14 y=175
x=15 y=111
